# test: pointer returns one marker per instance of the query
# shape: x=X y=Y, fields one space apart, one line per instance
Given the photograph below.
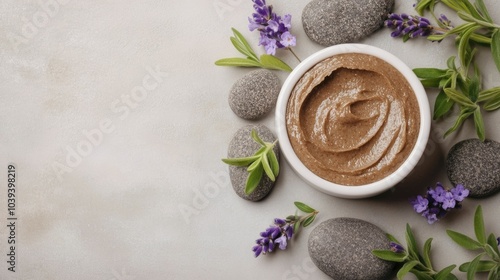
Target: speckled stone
x=242 y=145
x=342 y=247
x=476 y=165
x=255 y=94
x=331 y=22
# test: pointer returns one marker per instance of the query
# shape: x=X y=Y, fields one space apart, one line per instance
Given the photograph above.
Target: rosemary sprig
x=263 y=161
x=413 y=261
x=251 y=60
x=488 y=244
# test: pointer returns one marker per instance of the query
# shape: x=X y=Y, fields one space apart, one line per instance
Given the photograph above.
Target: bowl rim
x=365 y=190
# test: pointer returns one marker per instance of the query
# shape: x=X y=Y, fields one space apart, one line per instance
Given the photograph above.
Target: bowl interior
x=370 y=189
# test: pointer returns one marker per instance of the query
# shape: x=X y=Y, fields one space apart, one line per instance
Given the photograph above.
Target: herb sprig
x=413 y=261
x=263 y=161
x=421 y=266
x=266 y=61
x=488 y=244
x=283 y=230
x=460 y=84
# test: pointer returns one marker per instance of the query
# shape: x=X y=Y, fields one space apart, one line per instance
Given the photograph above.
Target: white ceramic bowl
x=370 y=189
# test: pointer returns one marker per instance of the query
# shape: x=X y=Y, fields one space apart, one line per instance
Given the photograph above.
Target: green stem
x=290 y=49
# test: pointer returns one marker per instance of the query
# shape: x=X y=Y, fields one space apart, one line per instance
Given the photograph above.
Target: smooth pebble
x=255 y=94
x=341 y=248
x=331 y=22
x=475 y=165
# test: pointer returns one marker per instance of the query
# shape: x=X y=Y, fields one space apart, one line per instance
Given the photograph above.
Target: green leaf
x=245 y=161
x=495 y=47
x=464 y=114
x=437 y=37
x=463 y=240
x=451 y=63
x=245 y=43
x=473 y=266
x=273 y=161
x=429 y=73
x=490 y=251
x=458 y=97
x=253 y=179
x=412 y=243
x=406 y=268
x=442 y=105
x=479 y=124
x=427 y=253
x=482 y=266
x=464 y=44
x=461 y=28
x=237 y=61
x=309 y=221
x=255 y=164
x=392 y=238
x=431 y=83
x=267 y=168
x=492 y=104
x=493 y=275
x=389 y=255
x=272 y=62
x=296 y=227
x=256 y=137
x=444 y=273
x=483 y=10
x=475 y=85
x=422 y=5
x=479 y=225
x=239 y=47
x=492 y=241
x=304 y=208
x=492 y=93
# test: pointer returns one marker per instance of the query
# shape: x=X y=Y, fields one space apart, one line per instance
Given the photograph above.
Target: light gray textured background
x=116 y=212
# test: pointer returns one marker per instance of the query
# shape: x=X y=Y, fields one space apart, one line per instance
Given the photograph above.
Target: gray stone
x=331 y=22
x=475 y=165
x=242 y=145
x=255 y=94
x=342 y=247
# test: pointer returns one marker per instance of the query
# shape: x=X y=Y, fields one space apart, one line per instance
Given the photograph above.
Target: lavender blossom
x=277 y=234
x=274 y=30
x=396 y=248
x=438 y=202
x=408 y=26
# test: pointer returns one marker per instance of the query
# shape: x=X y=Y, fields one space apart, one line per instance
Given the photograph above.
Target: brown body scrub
x=352 y=119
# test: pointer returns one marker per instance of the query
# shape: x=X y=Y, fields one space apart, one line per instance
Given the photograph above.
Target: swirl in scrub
x=352 y=119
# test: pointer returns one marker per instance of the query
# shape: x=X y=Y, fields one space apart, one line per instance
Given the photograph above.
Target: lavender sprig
x=408 y=26
x=438 y=201
x=274 y=30
x=279 y=233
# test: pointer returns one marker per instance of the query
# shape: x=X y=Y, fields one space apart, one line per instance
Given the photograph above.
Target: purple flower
x=287 y=39
x=438 y=201
x=498 y=241
x=438 y=193
x=282 y=242
x=277 y=234
x=431 y=215
x=448 y=202
x=410 y=26
x=396 y=248
x=420 y=204
x=257 y=249
x=274 y=30
x=459 y=192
